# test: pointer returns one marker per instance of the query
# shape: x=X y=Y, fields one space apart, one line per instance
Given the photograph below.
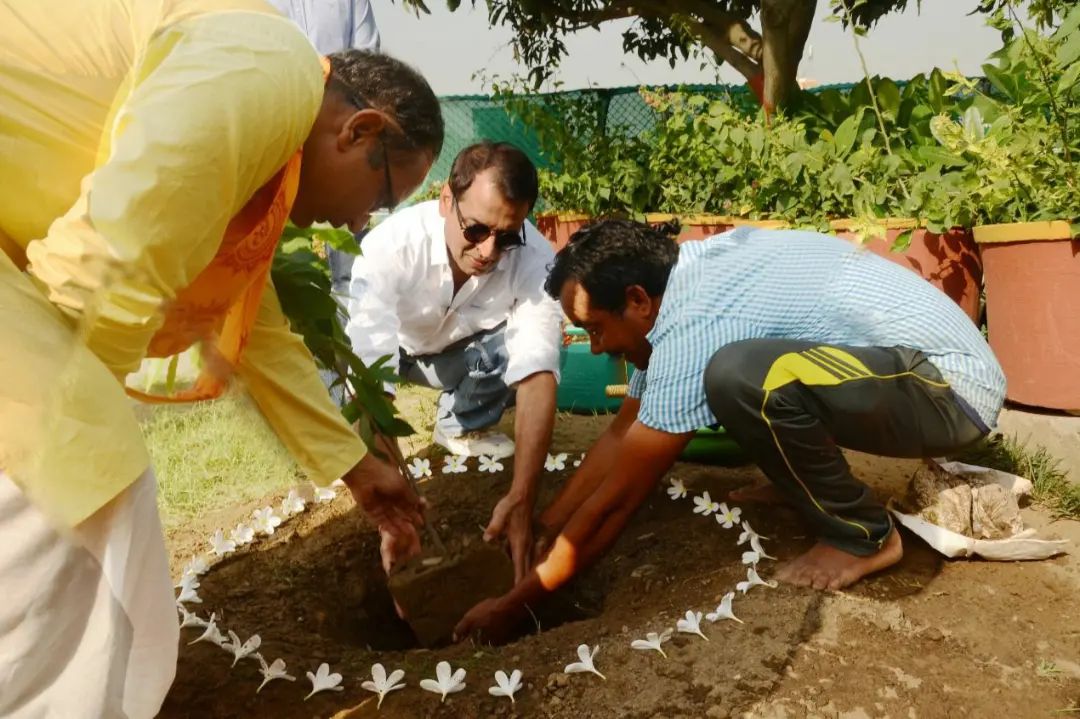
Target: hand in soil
x=397 y=545
x=512 y=519
x=826 y=567
x=487 y=622
x=389 y=500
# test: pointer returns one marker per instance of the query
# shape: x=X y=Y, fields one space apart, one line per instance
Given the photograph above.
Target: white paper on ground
x=953 y=544
x=1020 y=546
x=1017 y=485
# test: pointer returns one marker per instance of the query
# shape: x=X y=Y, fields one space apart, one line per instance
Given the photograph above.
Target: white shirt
x=402 y=295
x=333 y=25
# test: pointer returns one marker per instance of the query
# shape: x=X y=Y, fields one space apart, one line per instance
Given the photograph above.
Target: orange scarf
x=220 y=305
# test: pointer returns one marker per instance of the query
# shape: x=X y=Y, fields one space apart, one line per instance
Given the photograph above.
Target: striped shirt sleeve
x=638 y=381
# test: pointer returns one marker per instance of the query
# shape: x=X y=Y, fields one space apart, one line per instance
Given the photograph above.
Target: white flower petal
x=324 y=680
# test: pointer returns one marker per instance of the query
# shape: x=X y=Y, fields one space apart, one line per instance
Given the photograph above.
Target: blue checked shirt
x=754 y=284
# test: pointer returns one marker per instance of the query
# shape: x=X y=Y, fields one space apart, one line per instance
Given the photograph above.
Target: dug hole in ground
x=928 y=638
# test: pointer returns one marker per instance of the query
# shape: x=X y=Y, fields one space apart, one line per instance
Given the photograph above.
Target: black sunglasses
x=478 y=232
x=387 y=201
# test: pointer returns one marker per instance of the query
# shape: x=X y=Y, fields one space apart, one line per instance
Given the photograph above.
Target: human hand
x=392 y=505
x=491 y=621
x=512 y=519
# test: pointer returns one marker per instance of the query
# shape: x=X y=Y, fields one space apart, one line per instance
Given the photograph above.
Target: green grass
x=212 y=455
x=1053 y=489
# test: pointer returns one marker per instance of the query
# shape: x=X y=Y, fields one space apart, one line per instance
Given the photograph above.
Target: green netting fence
x=470 y=118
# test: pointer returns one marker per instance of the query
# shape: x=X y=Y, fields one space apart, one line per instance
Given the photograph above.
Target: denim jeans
x=470 y=374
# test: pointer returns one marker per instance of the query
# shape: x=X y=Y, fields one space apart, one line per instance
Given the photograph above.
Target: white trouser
x=88 y=624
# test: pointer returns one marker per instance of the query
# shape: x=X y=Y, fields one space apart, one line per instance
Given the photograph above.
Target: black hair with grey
x=515 y=173
x=609 y=256
x=371 y=79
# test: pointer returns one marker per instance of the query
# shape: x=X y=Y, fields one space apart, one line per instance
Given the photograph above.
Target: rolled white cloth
x=88 y=622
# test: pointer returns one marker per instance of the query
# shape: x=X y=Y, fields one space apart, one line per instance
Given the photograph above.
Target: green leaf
x=973 y=124
x=902 y=241
x=938 y=84
x=1069 y=36
x=845 y=136
x=934 y=155
x=342 y=240
x=888 y=96
x=1069 y=79
x=1002 y=82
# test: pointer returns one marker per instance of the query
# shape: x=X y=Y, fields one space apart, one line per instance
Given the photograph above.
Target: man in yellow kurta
x=147 y=148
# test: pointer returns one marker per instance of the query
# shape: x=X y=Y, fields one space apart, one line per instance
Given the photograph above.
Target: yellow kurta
x=131 y=132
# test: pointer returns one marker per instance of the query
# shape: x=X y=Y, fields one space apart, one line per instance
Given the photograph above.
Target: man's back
x=756 y=284
x=333 y=25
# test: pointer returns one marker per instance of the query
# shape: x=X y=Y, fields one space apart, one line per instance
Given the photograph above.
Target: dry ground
x=925 y=639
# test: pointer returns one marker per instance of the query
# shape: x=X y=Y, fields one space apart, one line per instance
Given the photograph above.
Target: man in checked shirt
x=799 y=344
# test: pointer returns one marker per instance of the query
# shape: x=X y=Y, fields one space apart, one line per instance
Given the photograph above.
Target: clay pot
x=949 y=261
x=558 y=226
x=1033 y=310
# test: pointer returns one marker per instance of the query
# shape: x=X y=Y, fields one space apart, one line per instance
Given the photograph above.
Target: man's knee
x=487 y=355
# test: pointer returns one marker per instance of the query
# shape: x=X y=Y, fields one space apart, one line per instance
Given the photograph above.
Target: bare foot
x=826 y=567
x=767 y=493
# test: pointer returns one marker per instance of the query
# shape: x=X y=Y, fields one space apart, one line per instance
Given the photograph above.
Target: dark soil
x=434 y=598
x=923 y=639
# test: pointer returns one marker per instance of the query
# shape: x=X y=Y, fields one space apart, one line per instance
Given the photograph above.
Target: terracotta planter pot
x=1033 y=310
x=558 y=226
x=694 y=227
x=949 y=261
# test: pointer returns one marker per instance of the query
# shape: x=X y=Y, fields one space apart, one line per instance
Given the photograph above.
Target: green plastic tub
x=714 y=446
x=584 y=378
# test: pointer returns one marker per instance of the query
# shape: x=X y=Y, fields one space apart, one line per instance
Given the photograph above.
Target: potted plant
x=1018 y=152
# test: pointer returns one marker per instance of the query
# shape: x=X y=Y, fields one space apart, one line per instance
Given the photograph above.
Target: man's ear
x=446 y=200
x=360 y=127
x=638 y=301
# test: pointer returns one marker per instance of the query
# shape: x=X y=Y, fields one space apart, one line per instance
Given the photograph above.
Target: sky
x=457 y=51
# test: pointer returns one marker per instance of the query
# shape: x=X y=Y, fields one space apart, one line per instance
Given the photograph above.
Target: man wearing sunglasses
x=452 y=290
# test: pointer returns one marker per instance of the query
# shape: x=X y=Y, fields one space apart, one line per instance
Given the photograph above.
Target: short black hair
x=389 y=85
x=516 y=173
x=608 y=256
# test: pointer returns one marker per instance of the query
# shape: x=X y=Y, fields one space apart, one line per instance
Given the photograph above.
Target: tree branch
x=592 y=18
x=718 y=42
x=785 y=25
x=738 y=31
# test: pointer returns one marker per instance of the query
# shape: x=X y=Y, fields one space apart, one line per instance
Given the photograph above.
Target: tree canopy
x=767 y=56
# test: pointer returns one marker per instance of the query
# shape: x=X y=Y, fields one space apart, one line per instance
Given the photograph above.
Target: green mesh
x=470 y=118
